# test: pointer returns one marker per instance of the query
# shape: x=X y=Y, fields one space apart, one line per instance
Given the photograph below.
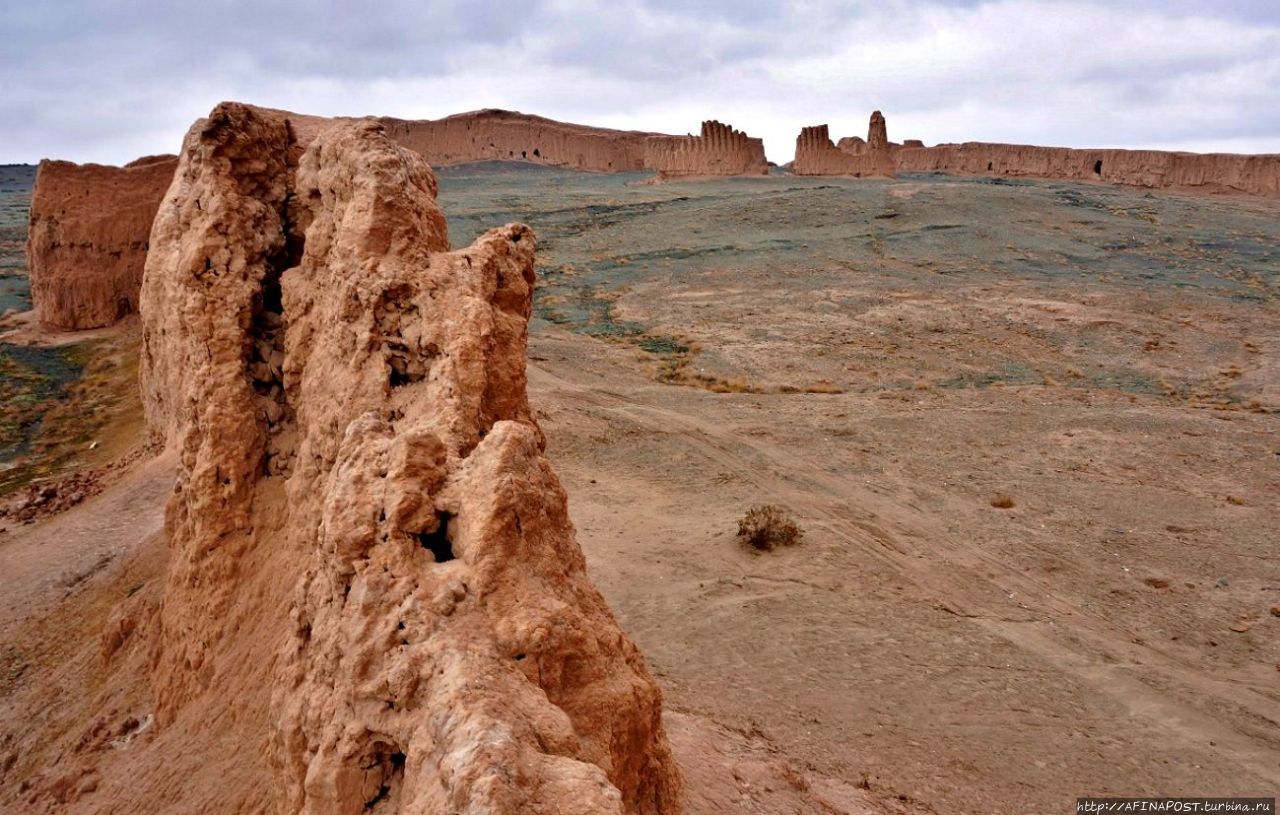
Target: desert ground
x=1029 y=430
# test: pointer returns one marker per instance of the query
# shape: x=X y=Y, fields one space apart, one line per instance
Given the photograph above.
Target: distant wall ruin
x=90 y=224
x=501 y=135
x=1154 y=169
x=719 y=150
x=816 y=154
x=88 y=237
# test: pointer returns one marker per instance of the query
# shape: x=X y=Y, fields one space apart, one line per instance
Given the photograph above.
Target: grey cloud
x=98 y=80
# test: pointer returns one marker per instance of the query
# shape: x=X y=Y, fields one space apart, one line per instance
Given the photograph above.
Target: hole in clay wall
x=437 y=542
x=400 y=373
x=523 y=154
x=989 y=166
x=408 y=357
x=383 y=768
x=1097 y=167
x=537 y=153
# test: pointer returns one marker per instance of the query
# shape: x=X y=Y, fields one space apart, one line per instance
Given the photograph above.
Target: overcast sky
x=109 y=81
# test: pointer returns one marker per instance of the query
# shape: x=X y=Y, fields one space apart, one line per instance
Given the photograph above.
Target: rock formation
x=719 y=150
x=365 y=531
x=1216 y=172
x=817 y=155
x=87 y=242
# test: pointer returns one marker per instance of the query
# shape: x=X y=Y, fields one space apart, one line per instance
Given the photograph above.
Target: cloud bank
x=101 y=80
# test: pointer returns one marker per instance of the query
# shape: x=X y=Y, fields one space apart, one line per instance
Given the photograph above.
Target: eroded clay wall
x=816 y=154
x=88 y=238
x=90 y=224
x=497 y=135
x=374 y=600
x=1217 y=172
x=718 y=150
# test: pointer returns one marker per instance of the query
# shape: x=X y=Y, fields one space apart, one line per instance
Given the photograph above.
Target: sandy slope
x=1104 y=359
x=948 y=656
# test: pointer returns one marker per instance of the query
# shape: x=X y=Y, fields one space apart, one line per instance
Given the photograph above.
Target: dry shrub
x=823 y=386
x=1002 y=501
x=735 y=385
x=766 y=527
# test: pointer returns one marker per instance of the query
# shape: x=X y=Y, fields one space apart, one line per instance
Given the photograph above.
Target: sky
x=107 y=81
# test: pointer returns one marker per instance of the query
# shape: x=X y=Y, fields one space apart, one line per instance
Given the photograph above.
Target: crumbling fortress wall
x=718 y=150
x=1155 y=169
x=373 y=577
x=88 y=237
x=90 y=224
x=816 y=154
x=503 y=135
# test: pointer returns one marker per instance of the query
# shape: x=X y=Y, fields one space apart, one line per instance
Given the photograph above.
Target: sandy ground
x=920 y=641
x=921 y=651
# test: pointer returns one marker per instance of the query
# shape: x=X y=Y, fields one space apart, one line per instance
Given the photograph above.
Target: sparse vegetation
x=768 y=526
x=823 y=386
x=1002 y=501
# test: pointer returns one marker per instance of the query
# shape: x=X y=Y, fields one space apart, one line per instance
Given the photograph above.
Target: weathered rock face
x=719 y=150
x=1217 y=172
x=817 y=155
x=361 y=474
x=88 y=237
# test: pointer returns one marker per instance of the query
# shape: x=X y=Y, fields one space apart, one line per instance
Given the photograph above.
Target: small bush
x=766 y=527
x=1002 y=501
x=823 y=386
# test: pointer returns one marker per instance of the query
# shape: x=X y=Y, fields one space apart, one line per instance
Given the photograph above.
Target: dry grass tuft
x=823 y=386
x=766 y=527
x=735 y=385
x=1002 y=501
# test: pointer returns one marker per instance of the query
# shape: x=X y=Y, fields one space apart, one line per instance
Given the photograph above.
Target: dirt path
x=41 y=563
x=1049 y=654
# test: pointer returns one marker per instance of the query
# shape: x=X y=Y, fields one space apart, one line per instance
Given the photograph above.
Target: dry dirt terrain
x=1029 y=430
